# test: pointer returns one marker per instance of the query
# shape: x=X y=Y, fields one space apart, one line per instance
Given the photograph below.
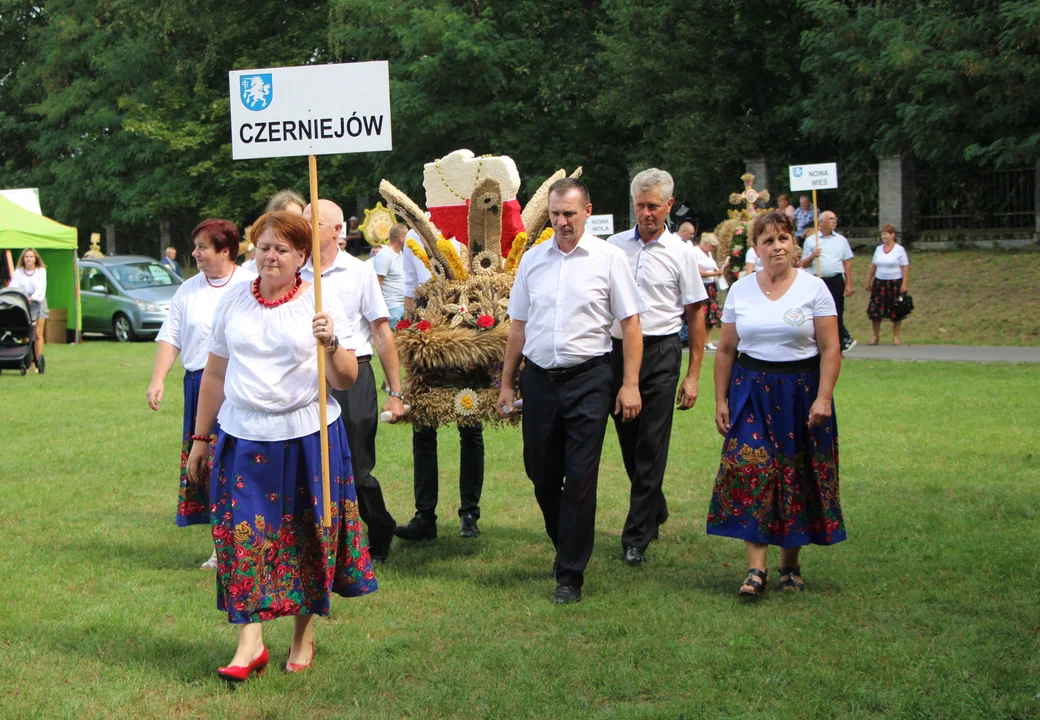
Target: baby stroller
x=17 y=331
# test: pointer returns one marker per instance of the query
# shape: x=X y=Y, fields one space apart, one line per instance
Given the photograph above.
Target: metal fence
x=973 y=199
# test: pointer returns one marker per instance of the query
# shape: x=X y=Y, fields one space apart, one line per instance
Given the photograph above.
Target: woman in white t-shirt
x=186 y=332
x=274 y=557
x=778 y=480
x=31 y=276
x=888 y=280
x=704 y=251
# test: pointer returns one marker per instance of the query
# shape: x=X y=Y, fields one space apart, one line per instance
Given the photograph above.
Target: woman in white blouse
x=31 y=276
x=888 y=280
x=186 y=332
x=775 y=370
x=274 y=557
x=710 y=271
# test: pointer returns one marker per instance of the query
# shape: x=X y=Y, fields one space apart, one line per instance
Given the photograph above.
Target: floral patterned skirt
x=883 y=294
x=274 y=558
x=778 y=480
x=193 y=497
x=713 y=316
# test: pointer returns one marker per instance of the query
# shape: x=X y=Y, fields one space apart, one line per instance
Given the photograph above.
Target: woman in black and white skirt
x=887 y=282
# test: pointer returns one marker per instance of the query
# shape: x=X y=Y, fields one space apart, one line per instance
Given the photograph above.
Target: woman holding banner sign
x=274 y=558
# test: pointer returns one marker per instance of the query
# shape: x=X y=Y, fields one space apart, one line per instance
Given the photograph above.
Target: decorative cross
x=750 y=196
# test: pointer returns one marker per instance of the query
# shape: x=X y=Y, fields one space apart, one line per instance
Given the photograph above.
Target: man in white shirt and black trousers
x=568 y=293
x=665 y=270
x=835 y=256
x=354 y=284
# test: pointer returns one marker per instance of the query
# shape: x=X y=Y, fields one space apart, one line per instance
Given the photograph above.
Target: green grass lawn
x=929 y=610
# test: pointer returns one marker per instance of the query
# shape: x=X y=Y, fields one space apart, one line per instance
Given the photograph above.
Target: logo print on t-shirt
x=795 y=317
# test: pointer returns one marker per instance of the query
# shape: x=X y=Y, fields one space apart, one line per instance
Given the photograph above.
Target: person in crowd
x=665 y=271
x=566 y=296
x=356 y=243
x=274 y=556
x=888 y=279
x=686 y=231
x=353 y=284
x=186 y=331
x=803 y=217
x=783 y=204
x=710 y=271
x=835 y=266
x=30 y=275
x=425 y=474
x=287 y=200
x=751 y=262
x=389 y=267
x=775 y=371
x=169 y=261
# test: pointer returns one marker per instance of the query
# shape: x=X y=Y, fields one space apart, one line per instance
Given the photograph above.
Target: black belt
x=787 y=367
x=364 y=358
x=565 y=374
x=648 y=340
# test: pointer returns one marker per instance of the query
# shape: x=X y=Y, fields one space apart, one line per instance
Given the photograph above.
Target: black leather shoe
x=566 y=594
x=468 y=526
x=418 y=528
x=634 y=556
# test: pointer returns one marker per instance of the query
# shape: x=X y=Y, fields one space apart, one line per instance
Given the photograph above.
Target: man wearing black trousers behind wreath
x=665 y=270
x=568 y=293
x=354 y=284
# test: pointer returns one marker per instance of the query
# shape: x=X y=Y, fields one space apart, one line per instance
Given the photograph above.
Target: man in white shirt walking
x=353 y=284
x=665 y=270
x=389 y=267
x=568 y=293
x=835 y=256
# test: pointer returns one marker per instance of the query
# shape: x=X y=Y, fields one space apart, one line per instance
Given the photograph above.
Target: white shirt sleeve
x=171 y=328
x=729 y=310
x=381 y=264
x=752 y=257
x=904 y=259
x=519 y=297
x=625 y=298
x=823 y=304
x=846 y=251
x=691 y=285
x=373 y=306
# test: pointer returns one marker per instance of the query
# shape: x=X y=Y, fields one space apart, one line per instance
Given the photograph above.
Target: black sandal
x=752 y=579
x=790 y=583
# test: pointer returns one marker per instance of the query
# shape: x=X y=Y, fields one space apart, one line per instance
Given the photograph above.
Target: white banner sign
x=600 y=225
x=310 y=110
x=814 y=177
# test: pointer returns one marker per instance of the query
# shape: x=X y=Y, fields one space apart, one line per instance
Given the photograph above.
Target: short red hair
x=288 y=226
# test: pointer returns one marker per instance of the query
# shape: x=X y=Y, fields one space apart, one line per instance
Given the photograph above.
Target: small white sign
x=310 y=110
x=814 y=177
x=600 y=225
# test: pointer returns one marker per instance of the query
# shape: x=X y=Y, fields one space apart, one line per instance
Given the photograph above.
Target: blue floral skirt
x=778 y=480
x=193 y=497
x=273 y=556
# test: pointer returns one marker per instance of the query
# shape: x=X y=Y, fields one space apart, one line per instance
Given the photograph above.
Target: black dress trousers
x=425 y=477
x=360 y=411
x=645 y=440
x=563 y=426
x=836 y=284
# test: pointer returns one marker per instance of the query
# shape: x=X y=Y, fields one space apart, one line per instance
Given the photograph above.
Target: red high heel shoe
x=241 y=673
x=298 y=667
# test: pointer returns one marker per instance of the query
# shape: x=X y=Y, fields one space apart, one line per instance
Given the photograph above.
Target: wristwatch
x=335 y=344
x=399 y=396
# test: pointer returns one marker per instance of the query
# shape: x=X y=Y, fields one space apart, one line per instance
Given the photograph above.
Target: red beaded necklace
x=214 y=285
x=283 y=299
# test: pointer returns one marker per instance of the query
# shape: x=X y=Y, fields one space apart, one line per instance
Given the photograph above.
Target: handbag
x=904 y=305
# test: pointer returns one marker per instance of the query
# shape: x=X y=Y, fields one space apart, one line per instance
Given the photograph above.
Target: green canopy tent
x=56 y=243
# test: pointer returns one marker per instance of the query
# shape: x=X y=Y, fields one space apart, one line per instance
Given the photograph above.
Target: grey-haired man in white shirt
x=665 y=269
x=567 y=294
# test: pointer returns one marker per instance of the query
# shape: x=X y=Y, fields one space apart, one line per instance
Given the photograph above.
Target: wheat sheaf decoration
x=453 y=342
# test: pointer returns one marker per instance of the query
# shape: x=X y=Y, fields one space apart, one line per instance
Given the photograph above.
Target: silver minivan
x=126 y=296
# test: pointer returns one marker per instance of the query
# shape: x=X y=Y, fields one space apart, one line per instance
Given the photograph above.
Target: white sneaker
x=711 y=346
x=210 y=564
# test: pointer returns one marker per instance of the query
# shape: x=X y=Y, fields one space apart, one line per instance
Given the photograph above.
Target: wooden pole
x=326 y=509
x=816 y=229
